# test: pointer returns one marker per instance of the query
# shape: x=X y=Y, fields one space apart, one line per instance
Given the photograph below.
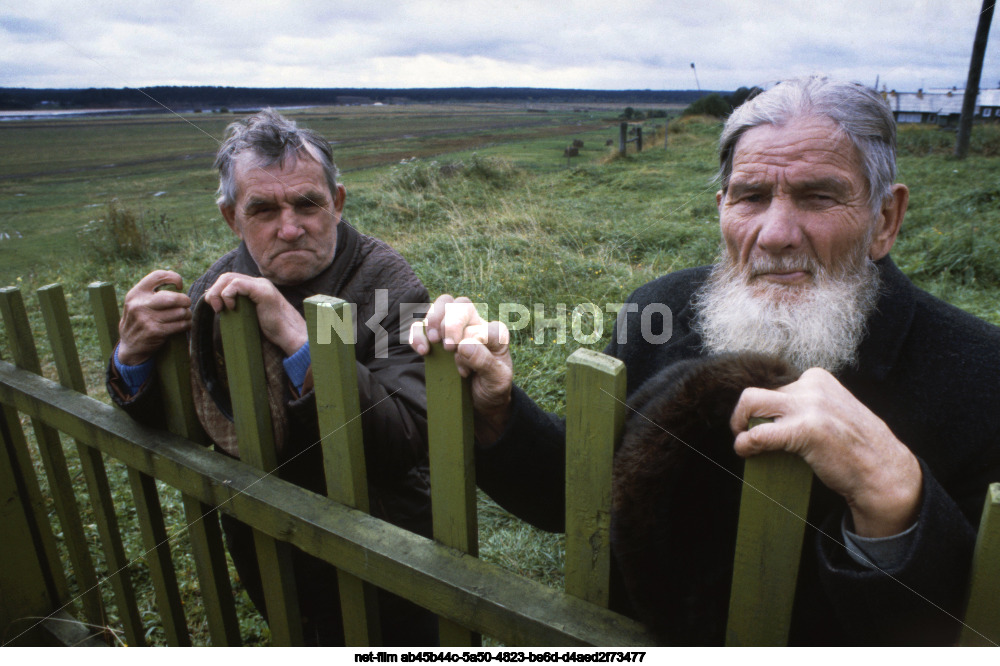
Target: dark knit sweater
x=928 y=369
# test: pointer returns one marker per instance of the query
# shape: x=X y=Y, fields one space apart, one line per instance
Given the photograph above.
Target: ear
x=229 y=214
x=338 y=199
x=718 y=200
x=889 y=222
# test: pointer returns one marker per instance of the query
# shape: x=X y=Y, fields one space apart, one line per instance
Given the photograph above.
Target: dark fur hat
x=677 y=484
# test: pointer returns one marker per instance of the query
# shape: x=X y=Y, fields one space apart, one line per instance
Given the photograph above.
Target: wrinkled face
x=287 y=217
x=797 y=198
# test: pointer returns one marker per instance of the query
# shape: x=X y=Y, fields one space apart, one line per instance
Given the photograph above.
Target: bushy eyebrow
x=311 y=197
x=833 y=185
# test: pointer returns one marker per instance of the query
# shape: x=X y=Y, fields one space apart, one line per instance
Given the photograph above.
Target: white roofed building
x=940 y=106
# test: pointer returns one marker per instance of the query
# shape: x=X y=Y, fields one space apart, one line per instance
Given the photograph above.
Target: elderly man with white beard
x=896 y=407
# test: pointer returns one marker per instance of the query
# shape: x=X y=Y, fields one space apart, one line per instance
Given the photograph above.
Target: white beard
x=819 y=324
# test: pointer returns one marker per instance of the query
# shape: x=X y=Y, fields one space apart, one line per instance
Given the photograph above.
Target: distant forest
x=217 y=97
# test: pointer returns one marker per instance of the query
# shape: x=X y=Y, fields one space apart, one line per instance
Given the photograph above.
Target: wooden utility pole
x=972 y=85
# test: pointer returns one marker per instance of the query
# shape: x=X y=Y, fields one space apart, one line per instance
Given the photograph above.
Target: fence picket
x=982 y=615
x=335 y=380
x=55 y=577
x=241 y=343
x=453 y=470
x=27 y=586
x=768 y=548
x=60 y=333
x=595 y=418
x=149 y=513
x=25 y=356
x=174 y=373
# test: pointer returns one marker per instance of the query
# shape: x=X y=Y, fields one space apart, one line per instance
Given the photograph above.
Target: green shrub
x=126 y=235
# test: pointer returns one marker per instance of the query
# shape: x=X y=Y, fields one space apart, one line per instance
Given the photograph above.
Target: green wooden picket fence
x=443 y=574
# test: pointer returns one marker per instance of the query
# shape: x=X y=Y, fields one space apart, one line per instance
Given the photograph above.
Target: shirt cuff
x=297 y=366
x=134 y=376
x=877 y=552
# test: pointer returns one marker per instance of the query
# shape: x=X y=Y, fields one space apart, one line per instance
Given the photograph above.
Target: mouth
x=784 y=277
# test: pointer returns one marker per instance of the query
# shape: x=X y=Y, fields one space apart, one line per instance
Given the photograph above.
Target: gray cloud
x=417 y=43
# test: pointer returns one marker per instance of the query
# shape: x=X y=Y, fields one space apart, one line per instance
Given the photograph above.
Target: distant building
x=942 y=107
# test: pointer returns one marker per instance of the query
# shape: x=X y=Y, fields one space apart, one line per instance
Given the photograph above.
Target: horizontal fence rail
x=472 y=593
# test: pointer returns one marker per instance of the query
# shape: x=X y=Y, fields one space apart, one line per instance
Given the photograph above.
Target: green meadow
x=482 y=203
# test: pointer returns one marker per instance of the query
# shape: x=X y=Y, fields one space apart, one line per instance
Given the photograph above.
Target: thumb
x=759 y=438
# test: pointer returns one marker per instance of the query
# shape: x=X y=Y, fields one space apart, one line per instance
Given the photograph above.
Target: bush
x=123 y=234
x=416 y=176
x=720 y=106
x=709 y=105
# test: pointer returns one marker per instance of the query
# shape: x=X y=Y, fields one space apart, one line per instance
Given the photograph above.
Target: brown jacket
x=368 y=273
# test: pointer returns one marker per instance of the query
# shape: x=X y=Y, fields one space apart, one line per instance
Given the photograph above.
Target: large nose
x=779 y=230
x=290 y=229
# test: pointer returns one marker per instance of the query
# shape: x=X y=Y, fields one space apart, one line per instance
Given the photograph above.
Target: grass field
x=481 y=202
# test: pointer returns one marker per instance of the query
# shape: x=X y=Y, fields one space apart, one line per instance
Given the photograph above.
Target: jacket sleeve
x=392 y=398
x=920 y=600
x=145 y=405
x=524 y=471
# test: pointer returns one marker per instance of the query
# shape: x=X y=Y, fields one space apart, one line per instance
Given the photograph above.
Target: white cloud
x=428 y=43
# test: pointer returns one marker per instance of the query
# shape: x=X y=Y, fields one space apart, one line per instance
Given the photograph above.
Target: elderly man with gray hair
x=279 y=194
x=895 y=405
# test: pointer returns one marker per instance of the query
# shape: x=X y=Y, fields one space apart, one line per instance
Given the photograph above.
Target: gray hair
x=270 y=139
x=860 y=112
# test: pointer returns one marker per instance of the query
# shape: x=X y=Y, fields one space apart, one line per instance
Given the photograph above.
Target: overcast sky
x=642 y=44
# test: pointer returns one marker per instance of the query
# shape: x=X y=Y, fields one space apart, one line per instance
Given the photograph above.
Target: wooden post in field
x=241 y=345
x=982 y=614
x=335 y=375
x=768 y=548
x=638 y=139
x=964 y=134
x=453 y=470
x=622 y=139
x=595 y=418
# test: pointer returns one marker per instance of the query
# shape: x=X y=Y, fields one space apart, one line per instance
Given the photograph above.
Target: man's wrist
x=297 y=366
x=132 y=375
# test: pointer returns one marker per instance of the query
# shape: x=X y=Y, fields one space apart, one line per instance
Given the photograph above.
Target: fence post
x=982 y=614
x=622 y=139
x=27 y=587
x=335 y=380
x=147 y=501
x=768 y=548
x=60 y=332
x=453 y=471
x=595 y=417
x=173 y=371
x=241 y=345
x=25 y=356
x=638 y=139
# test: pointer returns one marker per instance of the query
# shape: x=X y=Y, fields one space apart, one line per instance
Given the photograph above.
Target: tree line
x=218 y=97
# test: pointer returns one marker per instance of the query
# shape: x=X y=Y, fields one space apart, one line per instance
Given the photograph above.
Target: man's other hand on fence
x=149 y=316
x=850 y=449
x=279 y=321
x=481 y=350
